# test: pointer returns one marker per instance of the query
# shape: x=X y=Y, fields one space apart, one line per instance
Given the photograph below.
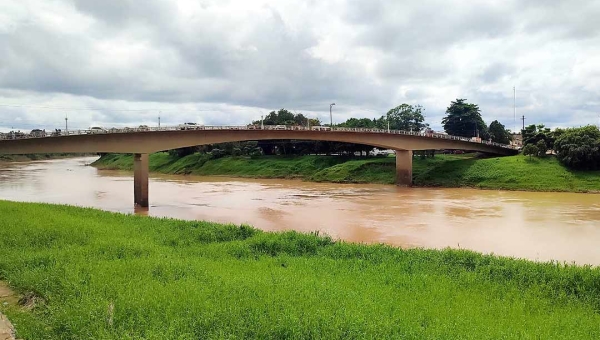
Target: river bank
x=450 y=171
x=38 y=157
x=96 y=274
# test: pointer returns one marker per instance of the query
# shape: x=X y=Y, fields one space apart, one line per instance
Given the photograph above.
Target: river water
x=537 y=226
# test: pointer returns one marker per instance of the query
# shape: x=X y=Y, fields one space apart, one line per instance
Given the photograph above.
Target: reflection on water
x=539 y=226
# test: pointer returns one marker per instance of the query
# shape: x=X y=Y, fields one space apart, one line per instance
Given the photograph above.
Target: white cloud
x=224 y=62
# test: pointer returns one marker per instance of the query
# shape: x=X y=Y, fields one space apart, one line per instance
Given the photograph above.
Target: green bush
x=579 y=148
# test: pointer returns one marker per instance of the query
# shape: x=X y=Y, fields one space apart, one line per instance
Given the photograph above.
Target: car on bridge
x=190 y=126
x=320 y=128
x=37 y=133
x=96 y=129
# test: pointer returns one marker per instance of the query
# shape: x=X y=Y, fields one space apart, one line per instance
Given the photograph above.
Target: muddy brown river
x=537 y=226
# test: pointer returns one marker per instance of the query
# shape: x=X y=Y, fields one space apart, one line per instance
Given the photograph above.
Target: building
x=516 y=139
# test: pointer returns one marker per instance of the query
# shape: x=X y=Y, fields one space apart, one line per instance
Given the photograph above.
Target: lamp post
x=331 y=116
x=388 y=121
x=262 y=126
x=159 y=119
x=66 y=125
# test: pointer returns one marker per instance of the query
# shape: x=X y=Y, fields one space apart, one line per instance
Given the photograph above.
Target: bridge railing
x=59 y=133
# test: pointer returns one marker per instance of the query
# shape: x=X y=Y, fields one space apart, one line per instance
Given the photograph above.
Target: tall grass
x=100 y=275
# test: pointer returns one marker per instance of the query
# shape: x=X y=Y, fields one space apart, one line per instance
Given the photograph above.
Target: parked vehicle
x=143 y=128
x=320 y=128
x=377 y=152
x=280 y=127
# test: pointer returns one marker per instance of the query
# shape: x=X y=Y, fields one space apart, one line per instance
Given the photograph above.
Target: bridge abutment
x=404 y=159
x=140 y=179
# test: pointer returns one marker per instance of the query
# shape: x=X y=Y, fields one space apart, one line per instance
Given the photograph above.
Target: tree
x=464 y=119
x=281 y=117
x=579 y=148
x=405 y=117
x=364 y=123
x=498 y=133
x=530 y=150
x=534 y=133
x=542 y=148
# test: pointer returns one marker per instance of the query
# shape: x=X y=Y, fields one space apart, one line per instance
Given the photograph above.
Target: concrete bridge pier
x=140 y=179
x=404 y=159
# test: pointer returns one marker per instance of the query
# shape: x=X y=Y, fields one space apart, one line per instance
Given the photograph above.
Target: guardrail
x=59 y=133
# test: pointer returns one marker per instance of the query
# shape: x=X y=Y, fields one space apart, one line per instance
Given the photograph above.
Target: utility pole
x=159 y=119
x=66 y=124
x=331 y=116
x=515 y=107
x=523 y=119
x=262 y=126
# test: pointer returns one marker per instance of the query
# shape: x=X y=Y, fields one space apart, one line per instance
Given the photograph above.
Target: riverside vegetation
x=507 y=173
x=84 y=273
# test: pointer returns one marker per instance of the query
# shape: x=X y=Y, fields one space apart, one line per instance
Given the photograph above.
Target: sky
x=116 y=63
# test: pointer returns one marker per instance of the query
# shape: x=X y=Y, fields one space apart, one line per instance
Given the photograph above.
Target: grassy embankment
x=99 y=275
x=508 y=173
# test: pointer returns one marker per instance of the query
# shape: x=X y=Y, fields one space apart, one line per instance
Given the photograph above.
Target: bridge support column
x=404 y=160
x=140 y=179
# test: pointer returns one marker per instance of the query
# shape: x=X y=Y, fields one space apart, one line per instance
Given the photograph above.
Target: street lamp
x=159 y=119
x=262 y=126
x=388 y=121
x=331 y=116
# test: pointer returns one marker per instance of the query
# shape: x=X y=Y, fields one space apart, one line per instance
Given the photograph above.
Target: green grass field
x=100 y=275
x=508 y=173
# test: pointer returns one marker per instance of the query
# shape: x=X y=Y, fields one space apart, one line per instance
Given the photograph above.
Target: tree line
x=577 y=148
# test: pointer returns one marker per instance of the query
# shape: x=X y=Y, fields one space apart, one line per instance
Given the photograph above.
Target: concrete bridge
x=143 y=141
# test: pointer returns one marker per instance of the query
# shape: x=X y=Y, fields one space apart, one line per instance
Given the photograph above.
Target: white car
x=96 y=129
x=190 y=126
x=378 y=152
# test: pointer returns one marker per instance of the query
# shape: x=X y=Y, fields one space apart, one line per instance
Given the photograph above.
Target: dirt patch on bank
x=7 y=297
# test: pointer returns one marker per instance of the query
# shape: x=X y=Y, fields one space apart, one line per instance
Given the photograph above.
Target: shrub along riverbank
x=508 y=173
x=90 y=274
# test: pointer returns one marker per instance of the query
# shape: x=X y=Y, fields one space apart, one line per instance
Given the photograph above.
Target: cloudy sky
x=125 y=62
